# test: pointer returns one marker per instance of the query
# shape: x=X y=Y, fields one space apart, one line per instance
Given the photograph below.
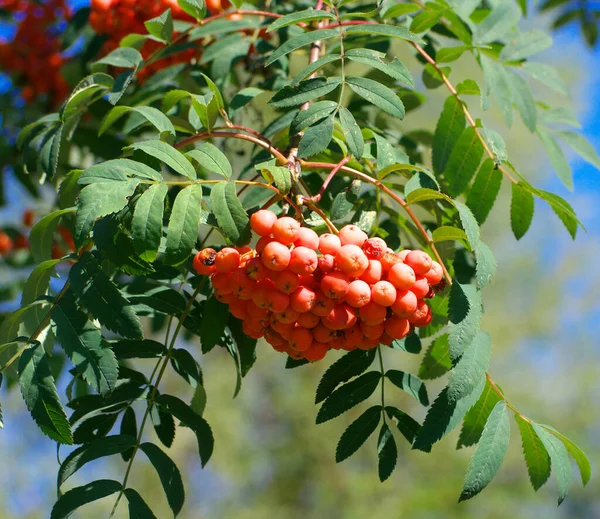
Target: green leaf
x=471 y=368
x=103 y=299
x=196 y=423
x=489 y=453
x=436 y=361
x=557 y=158
x=536 y=456
x=195 y=8
x=128 y=428
x=298 y=17
x=316 y=138
x=463 y=162
x=167 y=154
x=214 y=321
x=423 y=194
x=486 y=265
x=562 y=115
x=559 y=459
x=161 y=27
x=87 y=91
x=212 y=159
x=279 y=176
x=154 y=116
x=563 y=210
x=83 y=344
x=147 y=223
x=407 y=426
x=37 y=285
x=117 y=170
x=521 y=210
x=469 y=223
x=138 y=509
x=231 y=216
x=169 y=475
x=312 y=115
x=352 y=133
x=347 y=396
x=476 y=418
x=357 y=433
x=484 y=190
x=501 y=20
x=242 y=98
x=164 y=425
x=443 y=417
x=389 y=31
x=184 y=224
x=525 y=44
x=581 y=146
x=396 y=69
x=304 y=91
x=449 y=54
x=523 y=100
x=464 y=312
x=447 y=233
x=386 y=452
x=409 y=383
x=68 y=191
x=585 y=468
x=449 y=128
x=98 y=200
x=468 y=87
x=41 y=237
x=350 y=365
x=547 y=75
x=91 y=451
x=377 y=94
x=300 y=41
x=39 y=392
x=311 y=68
x=79 y=496
x=122 y=57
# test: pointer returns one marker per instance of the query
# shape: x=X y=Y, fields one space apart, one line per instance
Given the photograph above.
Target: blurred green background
x=542 y=310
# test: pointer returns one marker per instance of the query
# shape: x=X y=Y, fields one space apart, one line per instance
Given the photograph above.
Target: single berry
x=326 y=263
x=324 y=334
x=405 y=303
x=277 y=302
x=419 y=261
x=262 y=243
x=285 y=230
x=220 y=280
x=420 y=287
x=352 y=260
x=374 y=248
x=323 y=304
x=359 y=294
x=276 y=256
x=241 y=284
x=307 y=238
x=317 y=351
x=372 y=331
x=286 y=281
x=373 y=273
x=383 y=293
x=308 y=319
x=388 y=260
x=329 y=244
x=397 y=327
x=262 y=222
x=301 y=339
x=352 y=235
x=373 y=313
x=401 y=276
x=227 y=260
x=303 y=299
x=203 y=264
x=303 y=261
x=435 y=274
x=335 y=285
x=256 y=269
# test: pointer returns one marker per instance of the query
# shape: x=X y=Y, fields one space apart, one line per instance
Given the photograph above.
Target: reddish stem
x=337 y=167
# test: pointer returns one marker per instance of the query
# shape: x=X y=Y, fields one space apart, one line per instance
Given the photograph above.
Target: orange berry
x=403 y=253
x=374 y=248
x=372 y=331
x=276 y=256
x=28 y=215
x=285 y=230
x=220 y=281
x=260 y=292
x=335 y=285
x=303 y=261
x=262 y=243
x=419 y=261
x=255 y=312
x=352 y=260
x=277 y=302
x=386 y=339
x=373 y=273
x=204 y=262
x=359 y=293
x=383 y=293
x=397 y=327
x=241 y=284
x=252 y=331
x=401 y=276
x=323 y=334
x=283 y=329
x=286 y=281
x=420 y=287
x=405 y=303
x=288 y=316
x=224 y=298
x=421 y=314
x=308 y=281
x=307 y=238
x=238 y=308
x=317 y=351
x=329 y=244
x=352 y=235
x=302 y=299
x=255 y=269
x=341 y=317
x=323 y=304
x=275 y=340
x=227 y=260
x=262 y=222
x=308 y=319
x=326 y=263
x=21 y=242
x=435 y=274
x=373 y=313
x=300 y=339
x=352 y=337
x=388 y=260
x=368 y=344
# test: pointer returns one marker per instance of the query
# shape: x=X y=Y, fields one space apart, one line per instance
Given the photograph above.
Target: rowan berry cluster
x=307 y=294
x=119 y=18
x=34 y=56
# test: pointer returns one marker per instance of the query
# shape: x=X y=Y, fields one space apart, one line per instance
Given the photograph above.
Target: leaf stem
x=501 y=395
x=155 y=385
x=380 y=355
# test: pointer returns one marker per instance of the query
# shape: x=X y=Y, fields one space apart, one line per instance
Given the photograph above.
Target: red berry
x=359 y=294
x=301 y=339
x=317 y=351
x=262 y=222
x=277 y=302
x=324 y=334
x=241 y=284
x=373 y=313
x=420 y=287
x=256 y=269
x=326 y=263
x=286 y=281
x=323 y=304
x=276 y=256
x=405 y=303
x=435 y=273
x=204 y=262
x=352 y=260
x=372 y=331
x=352 y=235
x=308 y=320
x=419 y=261
x=373 y=273
x=374 y=248
x=303 y=261
x=303 y=299
x=383 y=293
x=388 y=260
x=329 y=244
x=227 y=260
x=334 y=285
x=262 y=243
x=307 y=238
x=285 y=230
x=401 y=276
x=397 y=327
